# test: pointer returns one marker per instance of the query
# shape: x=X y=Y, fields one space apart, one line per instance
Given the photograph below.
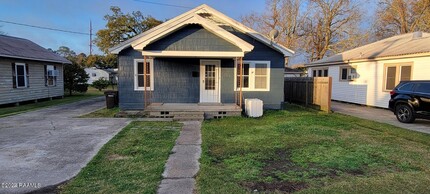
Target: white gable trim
x=176 y=22
x=287 y=52
x=192 y=54
x=193 y=18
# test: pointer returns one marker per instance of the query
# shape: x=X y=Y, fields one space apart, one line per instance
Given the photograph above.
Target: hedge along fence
x=309 y=91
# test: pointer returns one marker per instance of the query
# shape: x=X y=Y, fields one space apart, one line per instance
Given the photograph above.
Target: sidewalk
x=379 y=115
x=183 y=164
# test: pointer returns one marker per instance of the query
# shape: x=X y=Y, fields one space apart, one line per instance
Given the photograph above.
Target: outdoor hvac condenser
x=254 y=107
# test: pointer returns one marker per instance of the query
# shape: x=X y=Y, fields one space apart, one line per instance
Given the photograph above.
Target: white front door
x=210 y=73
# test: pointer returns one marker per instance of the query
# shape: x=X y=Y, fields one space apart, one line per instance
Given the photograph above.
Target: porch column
x=145 y=97
x=241 y=81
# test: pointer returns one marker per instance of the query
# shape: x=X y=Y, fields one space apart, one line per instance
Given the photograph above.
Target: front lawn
x=13 y=110
x=132 y=162
x=305 y=151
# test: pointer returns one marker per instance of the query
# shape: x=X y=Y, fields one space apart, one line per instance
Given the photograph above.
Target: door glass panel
x=210 y=77
x=423 y=88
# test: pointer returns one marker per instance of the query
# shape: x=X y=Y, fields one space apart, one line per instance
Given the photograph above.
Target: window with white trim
x=139 y=75
x=320 y=72
x=347 y=73
x=20 y=75
x=255 y=76
x=51 y=75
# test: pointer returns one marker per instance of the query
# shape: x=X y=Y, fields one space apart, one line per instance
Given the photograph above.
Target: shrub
x=101 y=84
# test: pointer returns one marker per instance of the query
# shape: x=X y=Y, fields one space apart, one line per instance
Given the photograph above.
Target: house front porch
x=192 y=111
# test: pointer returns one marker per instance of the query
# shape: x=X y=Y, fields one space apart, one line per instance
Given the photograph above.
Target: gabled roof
x=19 y=48
x=199 y=15
x=396 y=46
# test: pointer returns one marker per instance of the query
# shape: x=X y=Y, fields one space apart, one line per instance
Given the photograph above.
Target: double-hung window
x=347 y=73
x=139 y=74
x=255 y=76
x=395 y=73
x=20 y=75
x=51 y=75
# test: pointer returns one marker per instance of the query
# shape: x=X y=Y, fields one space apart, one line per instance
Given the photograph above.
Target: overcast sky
x=74 y=15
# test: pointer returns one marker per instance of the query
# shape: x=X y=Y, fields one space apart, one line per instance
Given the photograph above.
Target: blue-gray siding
x=173 y=81
x=192 y=37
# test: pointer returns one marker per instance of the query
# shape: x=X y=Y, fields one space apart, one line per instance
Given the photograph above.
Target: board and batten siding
x=37 y=89
x=192 y=37
x=368 y=88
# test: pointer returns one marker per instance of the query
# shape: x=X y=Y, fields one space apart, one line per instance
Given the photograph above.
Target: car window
x=423 y=88
x=408 y=87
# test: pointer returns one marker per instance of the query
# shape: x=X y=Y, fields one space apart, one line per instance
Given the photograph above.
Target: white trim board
x=192 y=17
x=192 y=54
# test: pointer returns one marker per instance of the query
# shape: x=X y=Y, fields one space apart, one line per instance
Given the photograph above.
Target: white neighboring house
x=366 y=75
x=291 y=72
x=96 y=74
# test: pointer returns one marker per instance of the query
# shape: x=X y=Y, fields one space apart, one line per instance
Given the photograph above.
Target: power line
x=164 y=4
x=45 y=28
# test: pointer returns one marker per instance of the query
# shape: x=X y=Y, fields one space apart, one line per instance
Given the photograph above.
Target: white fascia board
x=287 y=52
x=191 y=19
x=192 y=54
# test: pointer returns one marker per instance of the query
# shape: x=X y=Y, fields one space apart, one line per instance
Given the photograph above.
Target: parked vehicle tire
x=404 y=113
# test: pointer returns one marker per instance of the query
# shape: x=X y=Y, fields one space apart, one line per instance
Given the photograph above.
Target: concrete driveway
x=46 y=147
x=379 y=115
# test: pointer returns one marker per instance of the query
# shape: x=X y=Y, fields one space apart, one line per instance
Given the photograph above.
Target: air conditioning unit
x=53 y=73
x=352 y=77
x=254 y=107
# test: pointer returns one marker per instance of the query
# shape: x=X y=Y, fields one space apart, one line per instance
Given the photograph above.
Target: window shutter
x=45 y=75
x=13 y=76
x=27 y=75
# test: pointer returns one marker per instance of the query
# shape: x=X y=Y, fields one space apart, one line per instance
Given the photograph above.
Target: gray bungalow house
x=201 y=57
x=28 y=71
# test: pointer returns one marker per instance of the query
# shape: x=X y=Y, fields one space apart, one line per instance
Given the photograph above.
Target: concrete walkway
x=183 y=164
x=379 y=115
x=43 y=148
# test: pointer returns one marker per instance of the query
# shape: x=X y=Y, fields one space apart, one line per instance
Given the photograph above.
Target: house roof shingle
x=19 y=48
x=405 y=44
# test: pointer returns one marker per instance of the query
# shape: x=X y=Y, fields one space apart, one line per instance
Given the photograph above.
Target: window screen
x=391 y=78
x=260 y=76
x=405 y=73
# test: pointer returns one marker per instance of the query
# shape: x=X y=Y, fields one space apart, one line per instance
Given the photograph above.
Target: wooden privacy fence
x=309 y=91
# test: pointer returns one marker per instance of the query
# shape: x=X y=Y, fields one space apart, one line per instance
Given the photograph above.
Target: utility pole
x=91 y=38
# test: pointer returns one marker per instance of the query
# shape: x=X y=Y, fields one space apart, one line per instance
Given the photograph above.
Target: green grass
x=102 y=113
x=8 y=111
x=305 y=151
x=132 y=162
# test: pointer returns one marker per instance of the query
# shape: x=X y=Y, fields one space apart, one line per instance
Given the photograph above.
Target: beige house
x=28 y=72
x=365 y=75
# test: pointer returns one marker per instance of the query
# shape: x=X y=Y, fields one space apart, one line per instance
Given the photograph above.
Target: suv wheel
x=404 y=113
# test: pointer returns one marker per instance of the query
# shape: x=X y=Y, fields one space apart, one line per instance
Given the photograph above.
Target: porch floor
x=192 y=111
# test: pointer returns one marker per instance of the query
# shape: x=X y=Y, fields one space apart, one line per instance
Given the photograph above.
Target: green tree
x=75 y=78
x=121 y=27
x=101 y=84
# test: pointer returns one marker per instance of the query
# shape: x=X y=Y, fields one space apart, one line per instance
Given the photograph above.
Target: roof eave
x=35 y=59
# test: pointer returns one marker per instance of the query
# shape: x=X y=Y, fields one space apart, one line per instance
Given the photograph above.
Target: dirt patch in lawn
x=116 y=157
x=281 y=186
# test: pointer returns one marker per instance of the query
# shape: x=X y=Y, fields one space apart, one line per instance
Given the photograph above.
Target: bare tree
x=401 y=16
x=332 y=27
x=285 y=16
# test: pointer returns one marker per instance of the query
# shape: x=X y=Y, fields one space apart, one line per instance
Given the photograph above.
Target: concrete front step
x=192 y=115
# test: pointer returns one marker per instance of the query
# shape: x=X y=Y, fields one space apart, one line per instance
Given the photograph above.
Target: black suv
x=410 y=100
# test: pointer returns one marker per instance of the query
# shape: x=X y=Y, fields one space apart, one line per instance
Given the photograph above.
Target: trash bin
x=111 y=99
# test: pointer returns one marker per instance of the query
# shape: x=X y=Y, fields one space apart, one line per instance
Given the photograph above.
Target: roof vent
x=417 y=35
